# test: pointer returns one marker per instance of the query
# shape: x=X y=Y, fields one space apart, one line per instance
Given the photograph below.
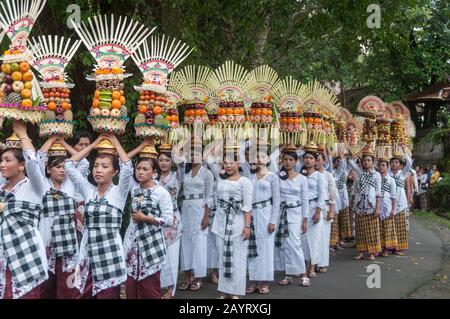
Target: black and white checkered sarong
x=103 y=223
x=19 y=240
x=61 y=208
x=283 y=228
x=233 y=207
x=150 y=239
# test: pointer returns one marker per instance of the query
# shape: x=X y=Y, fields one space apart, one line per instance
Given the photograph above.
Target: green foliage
x=309 y=39
x=440 y=196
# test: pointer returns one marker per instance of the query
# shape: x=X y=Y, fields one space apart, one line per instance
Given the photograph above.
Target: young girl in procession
x=23 y=262
x=388 y=207
x=265 y=215
x=330 y=203
x=367 y=206
x=144 y=244
x=293 y=220
x=101 y=263
x=197 y=202
x=57 y=223
x=232 y=225
x=399 y=174
x=170 y=180
x=317 y=187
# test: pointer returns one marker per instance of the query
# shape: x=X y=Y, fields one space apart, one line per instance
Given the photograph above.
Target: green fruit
x=105 y=93
x=104 y=105
x=105 y=99
x=14 y=67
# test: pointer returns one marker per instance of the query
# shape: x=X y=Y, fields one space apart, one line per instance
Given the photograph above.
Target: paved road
x=347 y=278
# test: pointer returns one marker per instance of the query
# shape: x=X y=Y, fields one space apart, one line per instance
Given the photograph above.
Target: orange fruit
x=26 y=94
x=142 y=109
x=95 y=103
x=174 y=118
x=221 y=111
x=51 y=106
x=229 y=111
x=157 y=110
x=65 y=106
x=116 y=95
x=198 y=112
x=27 y=76
x=97 y=94
x=116 y=104
x=28 y=85
x=122 y=99
x=258 y=112
x=27 y=103
x=17 y=76
x=24 y=67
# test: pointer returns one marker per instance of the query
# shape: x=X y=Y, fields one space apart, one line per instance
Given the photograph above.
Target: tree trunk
x=262 y=40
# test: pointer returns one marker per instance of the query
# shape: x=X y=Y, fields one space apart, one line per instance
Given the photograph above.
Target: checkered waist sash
x=103 y=223
x=19 y=240
x=283 y=229
x=342 y=181
x=262 y=204
x=399 y=181
x=60 y=207
x=232 y=208
x=193 y=196
x=150 y=238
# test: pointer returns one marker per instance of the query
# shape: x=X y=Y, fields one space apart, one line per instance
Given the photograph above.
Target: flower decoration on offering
x=213 y=129
x=228 y=84
x=192 y=84
x=156 y=59
x=261 y=85
x=20 y=95
x=51 y=55
x=289 y=97
x=111 y=41
x=353 y=131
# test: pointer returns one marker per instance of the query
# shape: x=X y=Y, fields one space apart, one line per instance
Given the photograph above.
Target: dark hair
x=371 y=156
x=294 y=155
x=400 y=160
x=153 y=164
x=18 y=154
x=78 y=136
x=335 y=160
x=173 y=168
x=313 y=154
x=114 y=160
x=384 y=161
x=52 y=162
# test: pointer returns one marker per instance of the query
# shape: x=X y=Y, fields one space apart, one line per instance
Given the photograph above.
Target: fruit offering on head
x=109 y=99
x=261 y=113
x=231 y=112
x=195 y=113
x=290 y=122
x=151 y=105
x=17 y=87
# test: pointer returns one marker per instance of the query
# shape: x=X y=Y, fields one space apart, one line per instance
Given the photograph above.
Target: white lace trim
x=131 y=256
x=83 y=268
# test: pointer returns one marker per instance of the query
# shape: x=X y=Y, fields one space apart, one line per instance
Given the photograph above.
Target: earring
x=21 y=169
